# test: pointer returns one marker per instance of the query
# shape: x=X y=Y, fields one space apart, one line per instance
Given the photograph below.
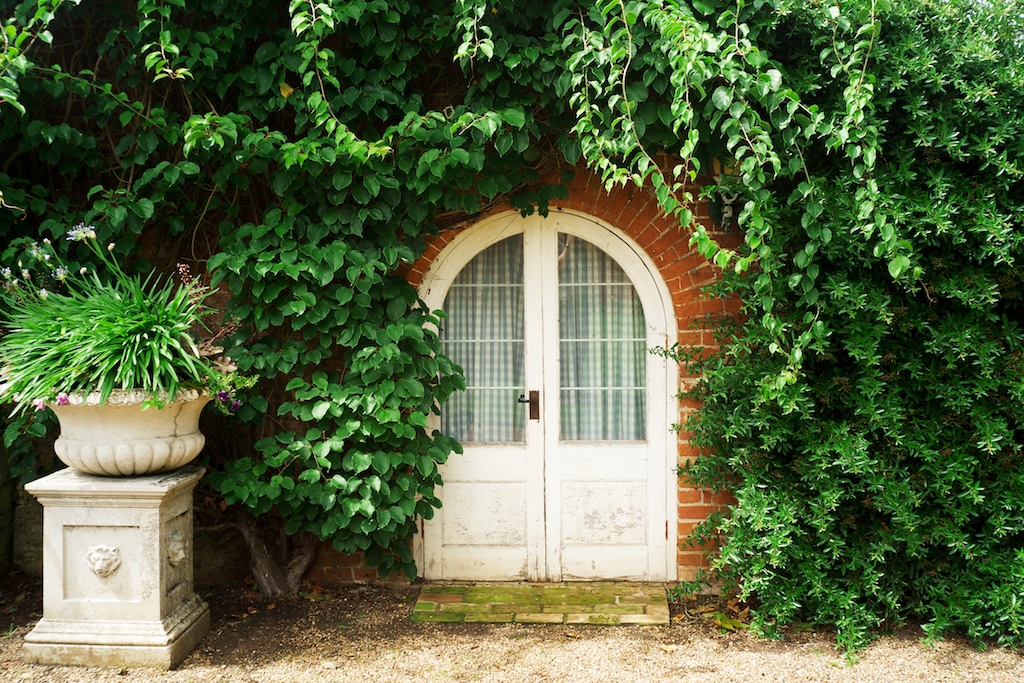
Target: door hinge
x=666 y=529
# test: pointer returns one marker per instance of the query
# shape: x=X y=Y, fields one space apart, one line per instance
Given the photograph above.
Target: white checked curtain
x=602 y=388
x=484 y=334
x=602 y=347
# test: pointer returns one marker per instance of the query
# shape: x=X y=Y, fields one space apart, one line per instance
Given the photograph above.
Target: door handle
x=534 y=402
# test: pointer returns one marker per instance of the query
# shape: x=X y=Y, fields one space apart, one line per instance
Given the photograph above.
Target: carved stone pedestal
x=117 y=571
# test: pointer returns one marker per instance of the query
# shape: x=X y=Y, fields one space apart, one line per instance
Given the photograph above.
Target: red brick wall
x=331 y=568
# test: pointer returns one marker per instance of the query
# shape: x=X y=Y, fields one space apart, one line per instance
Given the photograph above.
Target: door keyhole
x=534 y=402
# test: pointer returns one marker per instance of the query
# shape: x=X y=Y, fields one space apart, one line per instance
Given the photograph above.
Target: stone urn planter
x=121 y=437
x=117 y=534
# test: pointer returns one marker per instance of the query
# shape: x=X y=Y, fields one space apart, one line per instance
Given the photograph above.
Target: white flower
x=81 y=232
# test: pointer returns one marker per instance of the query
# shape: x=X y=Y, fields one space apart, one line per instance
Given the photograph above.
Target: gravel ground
x=364 y=634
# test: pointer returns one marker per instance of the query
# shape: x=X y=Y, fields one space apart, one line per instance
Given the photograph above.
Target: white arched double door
x=566 y=462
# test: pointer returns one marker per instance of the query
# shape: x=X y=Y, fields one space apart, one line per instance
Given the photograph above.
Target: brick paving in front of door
x=602 y=603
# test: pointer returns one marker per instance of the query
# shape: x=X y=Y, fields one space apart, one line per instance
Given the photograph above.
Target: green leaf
x=722 y=98
x=898 y=266
x=514 y=117
x=361 y=462
x=705 y=7
x=320 y=409
x=396 y=308
x=503 y=143
x=143 y=208
x=425 y=466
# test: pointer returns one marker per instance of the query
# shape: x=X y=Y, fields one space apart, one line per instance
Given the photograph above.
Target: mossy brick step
x=599 y=603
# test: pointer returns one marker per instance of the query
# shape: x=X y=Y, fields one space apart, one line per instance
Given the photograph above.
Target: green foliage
x=22 y=437
x=865 y=410
x=18 y=35
x=298 y=154
x=365 y=467
x=684 y=590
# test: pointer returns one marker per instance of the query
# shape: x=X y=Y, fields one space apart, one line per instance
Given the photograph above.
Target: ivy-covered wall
x=686 y=273
x=865 y=410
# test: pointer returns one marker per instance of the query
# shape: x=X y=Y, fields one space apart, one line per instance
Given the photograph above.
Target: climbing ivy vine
x=865 y=407
x=864 y=410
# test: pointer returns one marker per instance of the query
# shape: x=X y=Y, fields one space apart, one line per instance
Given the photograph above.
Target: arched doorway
x=568 y=469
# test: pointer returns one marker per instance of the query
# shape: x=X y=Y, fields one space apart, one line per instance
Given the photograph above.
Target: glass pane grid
x=639 y=341
x=484 y=334
x=602 y=387
x=485 y=415
x=602 y=344
x=483 y=287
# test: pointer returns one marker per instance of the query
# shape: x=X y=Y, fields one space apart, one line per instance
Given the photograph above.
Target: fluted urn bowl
x=120 y=438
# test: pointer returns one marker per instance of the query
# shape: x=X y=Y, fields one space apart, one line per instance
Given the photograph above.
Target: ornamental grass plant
x=70 y=333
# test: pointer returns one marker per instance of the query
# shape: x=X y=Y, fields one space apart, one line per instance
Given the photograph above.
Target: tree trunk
x=303 y=552
x=279 y=567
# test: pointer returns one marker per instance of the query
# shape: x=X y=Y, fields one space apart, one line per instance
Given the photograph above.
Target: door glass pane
x=602 y=347
x=484 y=334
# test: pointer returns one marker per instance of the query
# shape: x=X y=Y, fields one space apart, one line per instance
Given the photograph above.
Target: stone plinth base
x=117 y=571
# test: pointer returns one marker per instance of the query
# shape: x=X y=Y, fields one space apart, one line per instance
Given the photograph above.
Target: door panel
x=581 y=563
x=605 y=510
x=598 y=513
x=485 y=524
x=596 y=462
x=501 y=518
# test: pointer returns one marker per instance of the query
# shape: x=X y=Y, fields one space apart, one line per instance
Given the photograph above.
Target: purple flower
x=62 y=399
x=39 y=403
x=223 y=396
x=235 y=405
